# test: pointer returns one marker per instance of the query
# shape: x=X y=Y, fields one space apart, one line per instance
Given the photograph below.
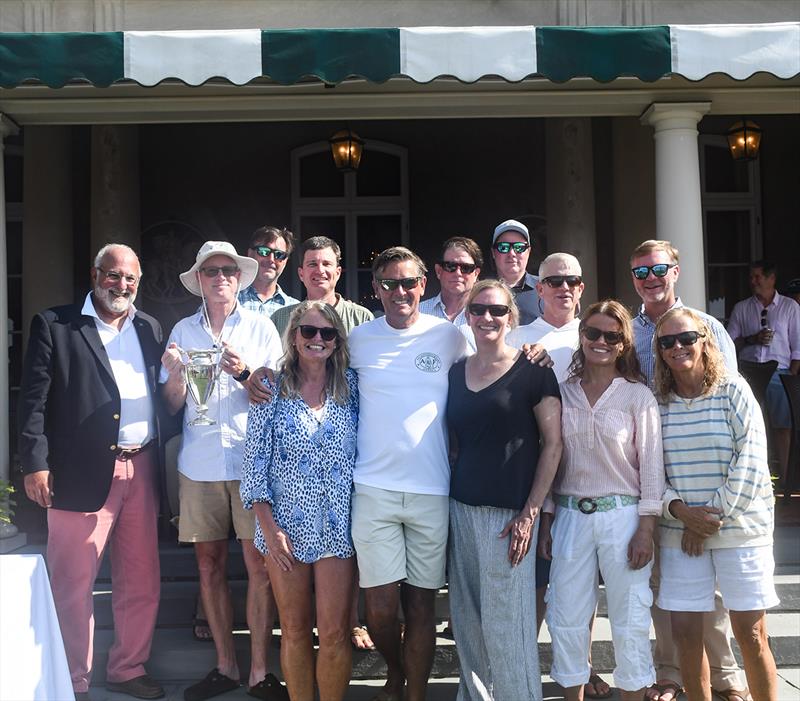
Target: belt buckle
x=587 y=505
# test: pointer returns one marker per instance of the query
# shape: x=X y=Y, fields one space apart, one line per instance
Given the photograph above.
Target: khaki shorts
x=207 y=509
x=400 y=536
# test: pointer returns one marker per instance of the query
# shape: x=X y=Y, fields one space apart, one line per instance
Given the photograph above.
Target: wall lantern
x=346 y=147
x=744 y=140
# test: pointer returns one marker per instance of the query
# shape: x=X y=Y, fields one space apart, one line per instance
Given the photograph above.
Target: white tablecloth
x=32 y=660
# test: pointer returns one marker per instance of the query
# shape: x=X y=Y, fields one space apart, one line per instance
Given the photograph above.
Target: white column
x=7 y=128
x=679 y=215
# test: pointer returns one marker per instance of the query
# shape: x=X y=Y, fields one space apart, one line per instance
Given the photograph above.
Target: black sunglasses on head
x=327 y=333
x=517 y=246
x=558 y=280
x=408 y=283
x=451 y=267
x=592 y=333
x=686 y=338
x=640 y=272
x=264 y=252
x=494 y=309
x=214 y=270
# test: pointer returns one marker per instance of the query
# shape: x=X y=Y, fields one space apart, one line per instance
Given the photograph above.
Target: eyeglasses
x=494 y=309
x=763 y=318
x=264 y=252
x=558 y=280
x=450 y=267
x=408 y=283
x=687 y=338
x=115 y=276
x=327 y=333
x=592 y=333
x=659 y=270
x=214 y=270
x=517 y=246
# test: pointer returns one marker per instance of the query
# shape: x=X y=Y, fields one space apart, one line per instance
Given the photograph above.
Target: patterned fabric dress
x=302 y=465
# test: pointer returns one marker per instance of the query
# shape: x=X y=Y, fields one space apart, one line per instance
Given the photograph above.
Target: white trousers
x=582 y=543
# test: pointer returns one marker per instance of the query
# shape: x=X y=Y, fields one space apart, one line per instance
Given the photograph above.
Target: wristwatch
x=241 y=377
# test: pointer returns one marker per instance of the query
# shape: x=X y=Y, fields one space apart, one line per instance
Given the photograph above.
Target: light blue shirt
x=249 y=299
x=644 y=331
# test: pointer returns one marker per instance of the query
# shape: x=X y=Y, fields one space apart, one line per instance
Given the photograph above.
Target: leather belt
x=128 y=453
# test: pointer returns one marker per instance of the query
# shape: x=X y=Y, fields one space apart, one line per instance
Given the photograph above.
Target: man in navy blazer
x=89 y=450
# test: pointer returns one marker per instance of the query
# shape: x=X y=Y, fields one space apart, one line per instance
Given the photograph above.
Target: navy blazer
x=70 y=406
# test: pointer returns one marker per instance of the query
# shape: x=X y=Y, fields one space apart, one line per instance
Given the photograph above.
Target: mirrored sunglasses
x=408 y=283
x=265 y=251
x=517 y=246
x=327 y=333
x=558 y=280
x=686 y=338
x=214 y=270
x=494 y=309
x=451 y=267
x=592 y=333
x=641 y=272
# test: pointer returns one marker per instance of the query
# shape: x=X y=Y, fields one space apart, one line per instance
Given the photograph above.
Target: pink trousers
x=76 y=543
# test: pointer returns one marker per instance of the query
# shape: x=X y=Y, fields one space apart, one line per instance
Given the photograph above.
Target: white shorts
x=743 y=575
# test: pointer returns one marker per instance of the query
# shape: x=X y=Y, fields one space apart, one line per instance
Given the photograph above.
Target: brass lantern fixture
x=346 y=147
x=744 y=140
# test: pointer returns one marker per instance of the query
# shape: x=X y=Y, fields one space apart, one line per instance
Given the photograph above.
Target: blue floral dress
x=303 y=466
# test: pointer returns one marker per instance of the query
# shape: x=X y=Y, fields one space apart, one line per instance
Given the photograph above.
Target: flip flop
x=359 y=637
x=594 y=680
x=214 y=684
x=660 y=687
x=733 y=694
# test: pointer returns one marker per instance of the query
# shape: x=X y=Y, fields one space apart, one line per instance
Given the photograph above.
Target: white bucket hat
x=248 y=266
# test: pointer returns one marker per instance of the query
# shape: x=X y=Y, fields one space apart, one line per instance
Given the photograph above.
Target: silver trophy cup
x=202 y=372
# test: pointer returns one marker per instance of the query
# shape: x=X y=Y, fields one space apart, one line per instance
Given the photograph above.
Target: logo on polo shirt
x=428 y=362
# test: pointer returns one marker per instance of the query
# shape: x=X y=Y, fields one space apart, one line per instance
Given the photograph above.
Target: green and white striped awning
x=422 y=54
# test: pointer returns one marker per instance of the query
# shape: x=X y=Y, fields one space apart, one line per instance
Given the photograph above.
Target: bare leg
x=212 y=560
x=750 y=631
x=333 y=584
x=384 y=626
x=293 y=594
x=687 y=629
x=260 y=611
x=420 y=638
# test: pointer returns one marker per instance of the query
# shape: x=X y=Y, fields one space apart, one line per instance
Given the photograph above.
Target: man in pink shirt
x=766 y=327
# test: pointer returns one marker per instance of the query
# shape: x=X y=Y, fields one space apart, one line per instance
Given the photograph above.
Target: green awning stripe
x=57 y=58
x=603 y=53
x=332 y=55
x=422 y=54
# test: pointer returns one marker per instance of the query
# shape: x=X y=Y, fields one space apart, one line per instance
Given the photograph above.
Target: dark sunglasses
x=451 y=267
x=494 y=309
x=214 y=270
x=517 y=247
x=327 y=333
x=408 y=283
x=659 y=270
x=763 y=317
x=558 y=280
x=687 y=338
x=264 y=252
x=592 y=333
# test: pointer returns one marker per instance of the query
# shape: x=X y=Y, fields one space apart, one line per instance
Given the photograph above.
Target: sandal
x=269 y=689
x=201 y=631
x=214 y=684
x=360 y=639
x=660 y=688
x=733 y=694
x=594 y=681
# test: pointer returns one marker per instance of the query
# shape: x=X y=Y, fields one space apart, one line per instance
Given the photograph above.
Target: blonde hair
x=497 y=285
x=714 y=361
x=627 y=362
x=651 y=245
x=336 y=366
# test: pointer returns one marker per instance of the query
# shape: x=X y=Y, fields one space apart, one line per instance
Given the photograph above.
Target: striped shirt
x=613 y=447
x=715 y=453
x=644 y=329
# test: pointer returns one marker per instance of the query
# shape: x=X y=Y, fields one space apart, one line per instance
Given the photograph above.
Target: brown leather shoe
x=144 y=687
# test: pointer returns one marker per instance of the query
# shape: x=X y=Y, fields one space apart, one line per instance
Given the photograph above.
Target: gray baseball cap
x=511 y=225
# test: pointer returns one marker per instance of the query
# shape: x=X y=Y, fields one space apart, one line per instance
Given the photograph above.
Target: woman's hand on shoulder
x=258 y=392
x=279 y=546
x=536 y=353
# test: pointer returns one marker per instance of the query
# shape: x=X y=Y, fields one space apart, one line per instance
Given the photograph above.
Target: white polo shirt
x=214 y=453
x=137 y=423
